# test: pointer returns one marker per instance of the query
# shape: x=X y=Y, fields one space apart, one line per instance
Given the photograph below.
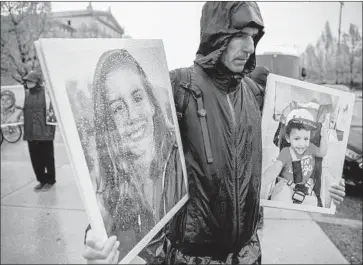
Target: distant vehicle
x=282 y=60
x=353 y=166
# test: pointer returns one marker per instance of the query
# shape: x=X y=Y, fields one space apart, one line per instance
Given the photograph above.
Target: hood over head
x=33 y=76
x=220 y=22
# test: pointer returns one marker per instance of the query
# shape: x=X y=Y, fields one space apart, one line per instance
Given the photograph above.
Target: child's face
x=299 y=140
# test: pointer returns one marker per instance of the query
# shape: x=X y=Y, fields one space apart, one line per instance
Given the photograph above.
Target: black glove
x=259 y=75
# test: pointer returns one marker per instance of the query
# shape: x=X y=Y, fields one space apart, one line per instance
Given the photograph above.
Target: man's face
x=239 y=50
x=30 y=84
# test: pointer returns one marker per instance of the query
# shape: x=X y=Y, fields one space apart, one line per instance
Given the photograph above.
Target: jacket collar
x=224 y=78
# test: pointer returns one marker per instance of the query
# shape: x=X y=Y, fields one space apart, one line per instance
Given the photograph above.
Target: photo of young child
x=304 y=143
x=295 y=180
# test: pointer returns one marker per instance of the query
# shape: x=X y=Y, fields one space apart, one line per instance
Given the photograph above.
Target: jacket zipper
x=235 y=167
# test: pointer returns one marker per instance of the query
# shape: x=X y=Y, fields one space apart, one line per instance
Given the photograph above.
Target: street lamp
x=338 y=53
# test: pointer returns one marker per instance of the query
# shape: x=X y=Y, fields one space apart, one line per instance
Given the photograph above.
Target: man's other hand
x=259 y=75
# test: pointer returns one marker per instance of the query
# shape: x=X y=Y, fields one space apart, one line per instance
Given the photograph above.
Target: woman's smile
x=135 y=132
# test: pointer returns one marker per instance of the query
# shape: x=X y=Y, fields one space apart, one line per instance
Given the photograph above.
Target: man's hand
x=97 y=253
x=259 y=75
x=138 y=260
x=337 y=192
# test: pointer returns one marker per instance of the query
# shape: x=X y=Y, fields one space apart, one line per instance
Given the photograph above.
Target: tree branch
x=17 y=79
x=13 y=60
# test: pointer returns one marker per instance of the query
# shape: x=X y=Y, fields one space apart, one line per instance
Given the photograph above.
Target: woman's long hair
x=116 y=170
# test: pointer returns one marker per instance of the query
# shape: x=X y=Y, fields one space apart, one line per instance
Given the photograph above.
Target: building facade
x=88 y=23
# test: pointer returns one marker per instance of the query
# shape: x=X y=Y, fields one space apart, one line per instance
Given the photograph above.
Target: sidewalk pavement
x=293 y=237
x=48 y=227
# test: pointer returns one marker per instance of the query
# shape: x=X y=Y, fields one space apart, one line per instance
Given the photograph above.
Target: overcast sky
x=177 y=23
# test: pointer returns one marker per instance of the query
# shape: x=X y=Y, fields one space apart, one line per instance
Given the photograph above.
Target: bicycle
x=11 y=134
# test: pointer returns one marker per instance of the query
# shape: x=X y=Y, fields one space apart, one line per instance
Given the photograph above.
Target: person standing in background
x=39 y=135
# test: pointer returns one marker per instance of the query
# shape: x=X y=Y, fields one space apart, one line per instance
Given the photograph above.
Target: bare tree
x=327 y=38
x=320 y=59
x=337 y=62
x=21 y=24
x=324 y=66
x=313 y=61
x=352 y=49
x=327 y=49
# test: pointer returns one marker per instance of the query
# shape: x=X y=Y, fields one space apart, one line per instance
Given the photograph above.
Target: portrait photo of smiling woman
x=137 y=149
x=114 y=101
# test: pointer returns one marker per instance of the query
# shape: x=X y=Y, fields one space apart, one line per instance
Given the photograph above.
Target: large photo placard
x=115 y=110
x=305 y=129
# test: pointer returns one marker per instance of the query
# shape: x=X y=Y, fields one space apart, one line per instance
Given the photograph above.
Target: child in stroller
x=294 y=171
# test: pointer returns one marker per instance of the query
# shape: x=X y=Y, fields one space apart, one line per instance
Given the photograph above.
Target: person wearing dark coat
x=221 y=136
x=37 y=133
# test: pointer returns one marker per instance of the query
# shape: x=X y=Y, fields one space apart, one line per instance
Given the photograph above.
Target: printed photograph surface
x=50 y=114
x=305 y=129
x=115 y=109
x=12 y=102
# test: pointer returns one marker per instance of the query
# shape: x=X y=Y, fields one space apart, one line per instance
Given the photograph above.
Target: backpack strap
x=257 y=90
x=183 y=89
x=181 y=81
x=202 y=113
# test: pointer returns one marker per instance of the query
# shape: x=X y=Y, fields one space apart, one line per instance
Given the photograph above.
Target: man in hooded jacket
x=221 y=136
x=220 y=220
